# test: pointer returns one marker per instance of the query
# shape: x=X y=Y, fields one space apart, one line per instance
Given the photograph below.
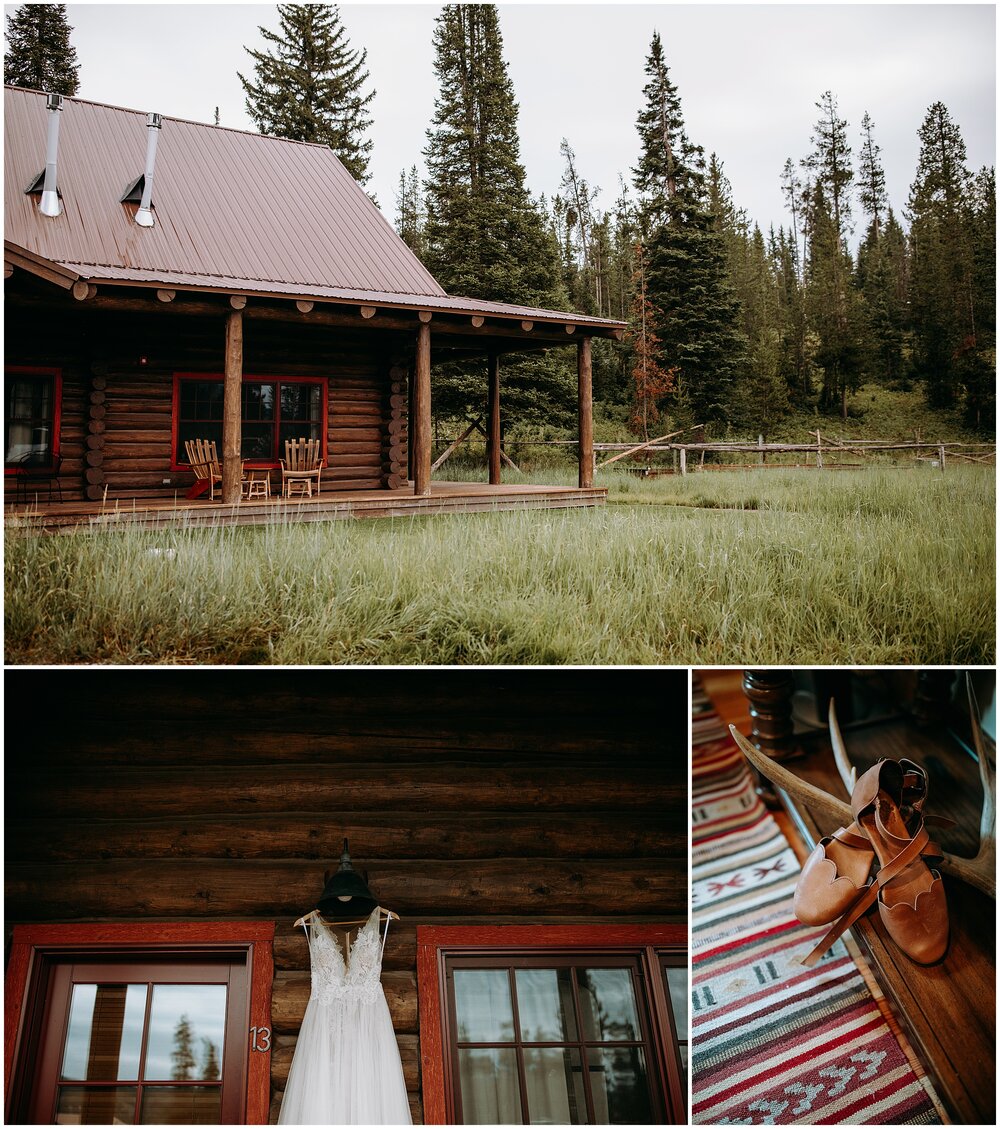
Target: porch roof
x=235 y=212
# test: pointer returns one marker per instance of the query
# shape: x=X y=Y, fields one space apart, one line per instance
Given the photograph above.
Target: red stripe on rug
x=786 y=1001
x=789 y=1063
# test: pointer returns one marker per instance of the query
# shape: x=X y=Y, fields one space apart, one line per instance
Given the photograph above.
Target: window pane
x=545 y=1005
x=299 y=401
x=684 y=1059
x=181 y=1105
x=258 y=401
x=29 y=420
x=110 y=1105
x=677 y=986
x=482 y=1006
x=490 y=1093
x=555 y=1086
x=186 y=1032
x=105 y=1032
x=258 y=441
x=211 y=432
x=619 y=1085
x=607 y=1003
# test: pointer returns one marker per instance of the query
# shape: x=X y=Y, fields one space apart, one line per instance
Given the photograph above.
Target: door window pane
x=104 y=1105
x=181 y=1105
x=545 y=1005
x=607 y=1003
x=186 y=1032
x=618 y=1082
x=677 y=986
x=555 y=1086
x=489 y=1086
x=483 y=1007
x=104 y=1037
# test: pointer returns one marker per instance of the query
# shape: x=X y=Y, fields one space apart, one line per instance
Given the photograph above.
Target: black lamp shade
x=345 y=894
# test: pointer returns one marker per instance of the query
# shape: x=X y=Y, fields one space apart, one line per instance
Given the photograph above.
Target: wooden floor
x=445 y=498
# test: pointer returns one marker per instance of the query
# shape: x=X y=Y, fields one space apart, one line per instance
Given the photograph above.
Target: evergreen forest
x=729 y=326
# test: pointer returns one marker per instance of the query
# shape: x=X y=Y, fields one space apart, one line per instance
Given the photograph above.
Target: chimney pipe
x=144 y=216
x=51 y=204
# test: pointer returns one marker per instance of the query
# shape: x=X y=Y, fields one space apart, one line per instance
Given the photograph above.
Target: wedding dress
x=346 y=1068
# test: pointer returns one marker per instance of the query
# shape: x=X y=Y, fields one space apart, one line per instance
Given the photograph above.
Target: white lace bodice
x=335 y=978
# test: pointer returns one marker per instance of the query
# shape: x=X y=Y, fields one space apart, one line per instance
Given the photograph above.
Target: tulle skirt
x=346 y=1068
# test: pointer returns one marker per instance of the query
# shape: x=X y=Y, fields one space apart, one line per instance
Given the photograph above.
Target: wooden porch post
x=585 y=397
x=422 y=413
x=232 y=400
x=493 y=419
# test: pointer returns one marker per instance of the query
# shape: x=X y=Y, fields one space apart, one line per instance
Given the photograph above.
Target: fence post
x=684 y=461
x=760 y=444
x=819 y=452
x=941 y=457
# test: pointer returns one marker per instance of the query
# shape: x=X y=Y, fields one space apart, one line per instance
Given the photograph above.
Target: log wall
x=468 y=798
x=118 y=370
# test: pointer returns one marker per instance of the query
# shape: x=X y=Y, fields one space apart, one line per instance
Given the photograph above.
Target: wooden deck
x=157 y=513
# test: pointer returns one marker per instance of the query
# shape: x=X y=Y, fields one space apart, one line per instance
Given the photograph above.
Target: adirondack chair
x=205 y=464
x=301 y=466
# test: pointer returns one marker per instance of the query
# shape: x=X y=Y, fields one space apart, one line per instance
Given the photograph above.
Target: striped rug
x=774 y=1042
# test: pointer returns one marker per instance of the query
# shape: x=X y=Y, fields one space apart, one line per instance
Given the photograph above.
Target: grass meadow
x=784 y=567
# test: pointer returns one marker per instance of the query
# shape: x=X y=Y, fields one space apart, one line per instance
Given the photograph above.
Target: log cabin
x=165 y=830
x=168 y=281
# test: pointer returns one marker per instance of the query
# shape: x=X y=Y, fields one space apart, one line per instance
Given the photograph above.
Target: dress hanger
x=313 y=915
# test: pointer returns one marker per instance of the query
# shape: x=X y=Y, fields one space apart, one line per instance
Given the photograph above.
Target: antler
x=985 y=862
x=813 y=797
x=979 y=872
x=848 y=773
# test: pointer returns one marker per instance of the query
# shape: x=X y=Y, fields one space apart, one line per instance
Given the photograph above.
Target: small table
x=258 y=482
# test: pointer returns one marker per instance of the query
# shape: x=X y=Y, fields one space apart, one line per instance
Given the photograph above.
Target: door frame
x=35 y=946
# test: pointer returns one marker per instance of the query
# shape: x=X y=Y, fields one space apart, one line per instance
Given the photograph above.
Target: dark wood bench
x=948 y=1010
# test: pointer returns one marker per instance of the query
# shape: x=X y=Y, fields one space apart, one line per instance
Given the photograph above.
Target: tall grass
x=880 y=567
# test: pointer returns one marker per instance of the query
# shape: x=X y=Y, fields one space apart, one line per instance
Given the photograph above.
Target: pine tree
x=211 y=1069
x=39 y=54
x=651 y=381
x=830 y=162
x=695 y=311
x=486 y=237
x=881 y=277
x=942 y=303
x=183 y=1054
x=310 y=86
x=410 y=212
x=832 y=306
x=871 y=187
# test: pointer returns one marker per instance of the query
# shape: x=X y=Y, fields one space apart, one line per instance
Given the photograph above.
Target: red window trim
x=57 y=381
x=435 y=942
x=248 y=378
x=33 y=941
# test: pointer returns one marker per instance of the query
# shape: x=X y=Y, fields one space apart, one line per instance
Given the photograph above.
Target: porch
x=158 y=513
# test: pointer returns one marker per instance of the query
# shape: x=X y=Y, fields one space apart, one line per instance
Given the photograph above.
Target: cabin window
x=574 y=1034
x=137 y=1033
x=272 y=411
x=31 y=417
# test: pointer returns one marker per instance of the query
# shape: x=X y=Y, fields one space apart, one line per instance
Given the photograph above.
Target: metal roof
x=235 y=211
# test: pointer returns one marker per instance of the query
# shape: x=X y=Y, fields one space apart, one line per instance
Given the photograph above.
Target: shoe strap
x=849 y=839
x=868 y=894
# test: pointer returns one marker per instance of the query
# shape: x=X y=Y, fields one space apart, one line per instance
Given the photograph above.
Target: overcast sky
x=749 y=76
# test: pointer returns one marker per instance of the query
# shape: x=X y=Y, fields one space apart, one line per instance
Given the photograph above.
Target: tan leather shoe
x=833 y=876
x=910 y=895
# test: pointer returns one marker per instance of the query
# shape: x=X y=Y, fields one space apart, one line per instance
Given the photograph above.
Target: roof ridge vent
x=144 y=216
x=50 y=204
